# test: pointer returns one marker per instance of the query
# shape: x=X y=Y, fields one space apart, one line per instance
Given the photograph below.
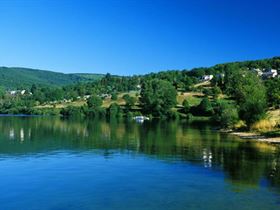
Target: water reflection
x=245 y=164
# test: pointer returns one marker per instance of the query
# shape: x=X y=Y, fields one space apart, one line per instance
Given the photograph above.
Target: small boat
x=140 y=119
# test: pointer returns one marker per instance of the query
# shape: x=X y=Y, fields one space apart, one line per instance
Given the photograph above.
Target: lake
x=50 y=163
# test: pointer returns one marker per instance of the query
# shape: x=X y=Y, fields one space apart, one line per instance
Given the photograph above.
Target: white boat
x=140 y=118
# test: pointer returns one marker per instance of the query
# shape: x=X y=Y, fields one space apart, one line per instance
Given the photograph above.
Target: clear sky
x=128 y=37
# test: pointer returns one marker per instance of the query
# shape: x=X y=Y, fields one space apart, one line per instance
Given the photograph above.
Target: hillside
x=91 y=77
x=12 y=78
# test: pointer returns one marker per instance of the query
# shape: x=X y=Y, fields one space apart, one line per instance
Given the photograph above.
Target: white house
x=207 y=77
x=270 y=73
x=22 y=92
x=86 y=97
x=257 y=71
x=13 y=92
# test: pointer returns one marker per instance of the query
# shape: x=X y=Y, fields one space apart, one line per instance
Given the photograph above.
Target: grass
x=62 y=105
x=194 y=98
x=270 y=126
x=120 y=101
x=274 y=115
x=264 y=125
x=203 y=84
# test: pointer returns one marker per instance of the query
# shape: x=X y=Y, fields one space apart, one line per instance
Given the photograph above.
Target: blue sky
x=128 y=37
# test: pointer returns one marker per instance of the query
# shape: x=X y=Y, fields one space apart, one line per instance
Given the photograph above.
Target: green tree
x=250 y=94
x=216 y=91
x=157 y=97
x=186 y=106
x=113 y=110
x=2 y=92
x=114 y=96
x=205 y=107
x=129 y=101
x=94 y=102
x=225 y=114
x=273 y=92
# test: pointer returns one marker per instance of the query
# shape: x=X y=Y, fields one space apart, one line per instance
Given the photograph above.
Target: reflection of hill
x=244 y=164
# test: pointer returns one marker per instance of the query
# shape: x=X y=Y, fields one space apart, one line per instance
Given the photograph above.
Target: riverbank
x=256 y=137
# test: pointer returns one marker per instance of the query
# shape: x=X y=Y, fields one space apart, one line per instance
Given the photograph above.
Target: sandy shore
x=256 y=137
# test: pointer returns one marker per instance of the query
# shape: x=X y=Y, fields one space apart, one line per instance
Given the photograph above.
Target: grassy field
x=61 y=105
x=120 y=101
x=194 y=98
x=274 y=114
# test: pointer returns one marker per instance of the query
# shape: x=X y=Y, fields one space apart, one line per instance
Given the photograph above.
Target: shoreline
x=255 y=137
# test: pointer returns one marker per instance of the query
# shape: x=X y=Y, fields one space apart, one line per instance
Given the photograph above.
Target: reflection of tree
x=243 y=163
x=273 y=170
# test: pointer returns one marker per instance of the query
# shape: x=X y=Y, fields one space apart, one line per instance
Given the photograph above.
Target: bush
x=114 y=96
x=264 y=125
x=186 y=106
x=71 y=111
x=113 y=111
x=203 y=109
x=94 y=102
x=158 y=97
x=172 y=115
x=225 y=114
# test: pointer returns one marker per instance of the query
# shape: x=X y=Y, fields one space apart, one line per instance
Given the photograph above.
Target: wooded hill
x=24 y=78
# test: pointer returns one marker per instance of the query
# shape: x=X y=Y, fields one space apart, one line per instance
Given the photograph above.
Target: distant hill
x=12 y=78
x=90 y=76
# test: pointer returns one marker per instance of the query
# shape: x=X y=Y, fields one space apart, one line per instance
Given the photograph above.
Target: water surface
x=48 y=163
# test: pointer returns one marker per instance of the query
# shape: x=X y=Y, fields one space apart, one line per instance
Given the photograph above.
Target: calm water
x=48 y=163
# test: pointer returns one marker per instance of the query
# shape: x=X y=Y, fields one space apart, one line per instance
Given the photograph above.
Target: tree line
x=249 y=97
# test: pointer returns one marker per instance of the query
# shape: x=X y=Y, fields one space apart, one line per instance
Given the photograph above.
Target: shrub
x=186 y=106
x=225 y=114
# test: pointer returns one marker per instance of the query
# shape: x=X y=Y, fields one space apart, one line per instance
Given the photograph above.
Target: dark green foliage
x=94 y=102
x=157 y=97
x=186 y=106
x=129 y=101
x=273 y=92
x=114 y=96
x=203 y=109
x=24 y=78
x=114 y=110
x=207 y=91
x=179 y=79
x=2 y=92
x=72 y=111
x=129 y=115
x=252 y=110
x=214 y=92
x=172 y=115
x=225 y=114
x=90 y=77
x=250 y=94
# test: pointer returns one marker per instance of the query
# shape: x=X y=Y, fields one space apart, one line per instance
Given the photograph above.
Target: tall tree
x=250 y=94
x=157 y=97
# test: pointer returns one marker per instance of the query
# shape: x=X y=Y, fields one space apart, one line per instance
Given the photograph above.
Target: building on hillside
x=257 y=71
x=19 y=92
x=269 y=73
x=13 y=92
x=207 y=77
